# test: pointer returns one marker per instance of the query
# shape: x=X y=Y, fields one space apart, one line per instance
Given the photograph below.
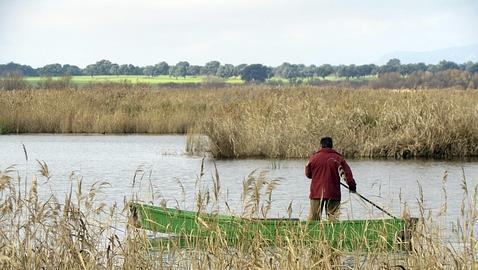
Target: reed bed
x=262 y=121
x=102 y=110
x=288 y=123
x=81 y=232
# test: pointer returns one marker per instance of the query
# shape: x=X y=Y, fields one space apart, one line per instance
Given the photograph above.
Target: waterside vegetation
x=41 y=231
x=262 y=121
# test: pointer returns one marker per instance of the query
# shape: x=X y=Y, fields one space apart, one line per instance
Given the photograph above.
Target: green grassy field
x=165 y=79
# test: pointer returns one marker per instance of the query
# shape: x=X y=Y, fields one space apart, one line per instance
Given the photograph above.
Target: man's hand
x=353 y=190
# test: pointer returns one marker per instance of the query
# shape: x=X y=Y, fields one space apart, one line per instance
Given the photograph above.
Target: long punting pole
x=372 y=203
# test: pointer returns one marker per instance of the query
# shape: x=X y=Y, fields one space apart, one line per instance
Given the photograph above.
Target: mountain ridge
x=458 y=54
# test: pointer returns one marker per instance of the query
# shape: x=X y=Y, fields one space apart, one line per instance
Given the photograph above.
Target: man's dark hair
x=326 y=142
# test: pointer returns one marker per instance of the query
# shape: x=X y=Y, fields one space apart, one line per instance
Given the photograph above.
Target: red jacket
x=323 y=169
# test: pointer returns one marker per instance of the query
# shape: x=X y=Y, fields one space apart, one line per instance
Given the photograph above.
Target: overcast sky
x=141 y=32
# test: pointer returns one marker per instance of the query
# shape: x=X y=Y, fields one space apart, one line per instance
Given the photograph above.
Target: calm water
x=161 y=162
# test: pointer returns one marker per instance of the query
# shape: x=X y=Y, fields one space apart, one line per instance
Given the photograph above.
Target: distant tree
x=114 y=69
x=180 y=69
x=432 y=68
x=225 y=71
x=363 y=70
x=161 y=68
x=375 y=69
x=148 y=70
x=210 y=68
x=280 y=71
x=90 y=70
x=407 y=69
x=287 y=71
x=51 y=70
x=122 y=69
x=352 y=71
x=194 y=70
x=446 y=65
x=393 y=65
x=420 y=67
x=473 y=68
x=238 y=69
x=16 y=69
x=255 y=72
x=336 y=70
x=301 y=70
x=340 y=70
x=137 y=70
x=103 y=67
x=129 y=69
x=394 y=62
x=27 y=70
x=71 y=70
x=324 y=70
x=270 y=73
x=347 y=71
x=466 y=66
x=416 y=74
x=309 y=71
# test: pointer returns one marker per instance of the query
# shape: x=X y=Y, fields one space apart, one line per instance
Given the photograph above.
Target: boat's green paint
x=364 y=235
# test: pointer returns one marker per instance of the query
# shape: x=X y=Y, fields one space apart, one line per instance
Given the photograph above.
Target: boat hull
x=364 y=235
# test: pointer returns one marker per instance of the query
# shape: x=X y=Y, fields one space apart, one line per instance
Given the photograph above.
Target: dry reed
x=103 y=111
x=289 y=123
x=82 y=233
x=262 y=121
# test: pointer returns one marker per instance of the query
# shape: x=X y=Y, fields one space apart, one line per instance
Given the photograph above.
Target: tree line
x=257 y=72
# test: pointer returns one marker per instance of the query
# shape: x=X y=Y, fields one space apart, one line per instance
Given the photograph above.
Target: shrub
x=48 y=83
x=13 y=81
x=388 y=80
x=213 y=81
x=275 y=82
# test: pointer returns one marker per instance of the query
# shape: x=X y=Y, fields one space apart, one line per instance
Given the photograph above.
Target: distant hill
x=456 y=54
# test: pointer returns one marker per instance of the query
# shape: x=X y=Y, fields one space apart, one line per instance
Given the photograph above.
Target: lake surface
x=162 y=163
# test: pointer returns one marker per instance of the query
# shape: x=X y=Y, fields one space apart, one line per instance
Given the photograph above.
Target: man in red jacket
x=323 y=168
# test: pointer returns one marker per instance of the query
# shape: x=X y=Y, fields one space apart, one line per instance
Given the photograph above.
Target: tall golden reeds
x=262 y=121
x=103 y=111
x=38 y=231
x=289 y=123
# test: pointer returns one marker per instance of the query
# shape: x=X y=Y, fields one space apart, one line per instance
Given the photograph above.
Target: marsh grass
x=289 y=122
x=262 y=121
x=38 y=231
x=103 y=111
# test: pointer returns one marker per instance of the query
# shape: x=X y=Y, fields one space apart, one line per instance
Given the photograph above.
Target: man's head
x=326 y=142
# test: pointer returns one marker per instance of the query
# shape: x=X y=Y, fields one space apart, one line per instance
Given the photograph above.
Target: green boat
x=351 y=235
